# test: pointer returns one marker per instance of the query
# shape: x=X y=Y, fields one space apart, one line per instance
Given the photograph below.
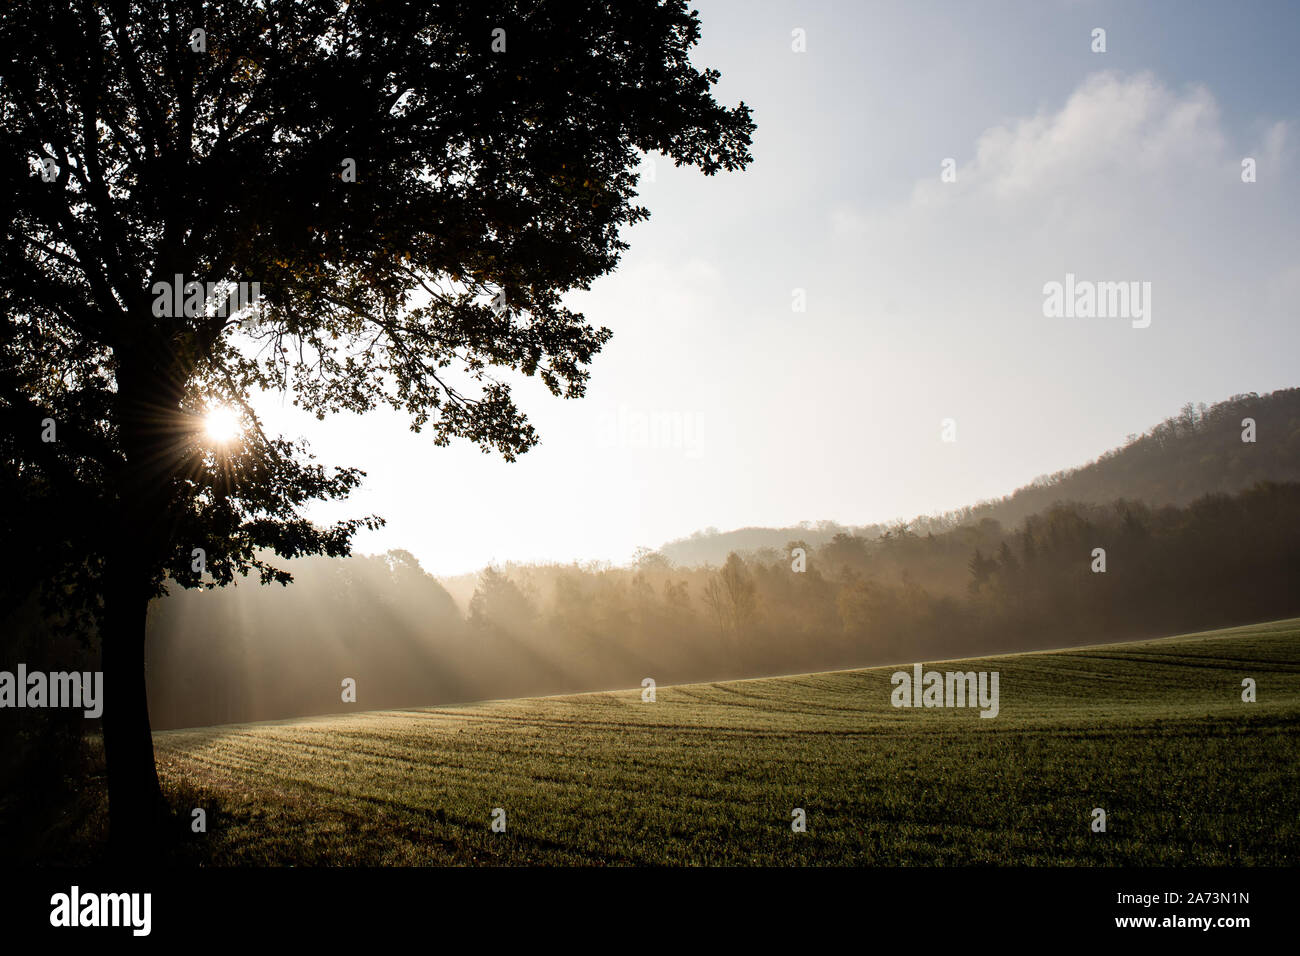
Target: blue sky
x=717 y=404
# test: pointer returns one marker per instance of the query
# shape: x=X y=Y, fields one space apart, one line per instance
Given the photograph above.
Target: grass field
x=1155 y=733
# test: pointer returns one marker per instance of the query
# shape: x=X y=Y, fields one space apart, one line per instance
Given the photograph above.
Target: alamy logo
x=193 y=299
x=1084 y=299
x=102 y=909
x=951 y=689
x=654 y=429
x=58 y=689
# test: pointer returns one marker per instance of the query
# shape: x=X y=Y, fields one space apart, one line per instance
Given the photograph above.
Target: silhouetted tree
x=413 y=186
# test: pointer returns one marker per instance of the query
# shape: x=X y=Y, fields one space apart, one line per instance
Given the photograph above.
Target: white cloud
x=1113 y=129
x=1127 y=180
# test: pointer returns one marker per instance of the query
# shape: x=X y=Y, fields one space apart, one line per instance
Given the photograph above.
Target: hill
x=1197 y=452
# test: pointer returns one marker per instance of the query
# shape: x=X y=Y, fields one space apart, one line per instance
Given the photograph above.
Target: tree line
x=250 y=653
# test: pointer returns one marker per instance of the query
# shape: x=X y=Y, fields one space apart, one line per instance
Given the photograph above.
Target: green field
x=1155 y=733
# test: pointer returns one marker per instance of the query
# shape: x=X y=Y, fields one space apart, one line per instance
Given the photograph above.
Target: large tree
x=412 y=186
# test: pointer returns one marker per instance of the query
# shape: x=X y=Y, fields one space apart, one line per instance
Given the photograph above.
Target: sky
x=720 y=403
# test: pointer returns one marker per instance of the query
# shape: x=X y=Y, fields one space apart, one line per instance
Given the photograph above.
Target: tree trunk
x=135 y=803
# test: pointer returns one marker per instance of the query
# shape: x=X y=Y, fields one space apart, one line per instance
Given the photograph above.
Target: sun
x=221 y=424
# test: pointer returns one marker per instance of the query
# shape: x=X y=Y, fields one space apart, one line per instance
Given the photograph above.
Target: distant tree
x=651 y=561
x=677 y=597
x=1008 y=566
x=740 y=597
x=981 y=569
x=499 y=602
x=413 y=192
x=715 y=600
x=846 y=550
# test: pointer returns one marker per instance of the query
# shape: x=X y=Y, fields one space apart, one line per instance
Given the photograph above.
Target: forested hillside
x=1197 y=452
x=250 y=653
